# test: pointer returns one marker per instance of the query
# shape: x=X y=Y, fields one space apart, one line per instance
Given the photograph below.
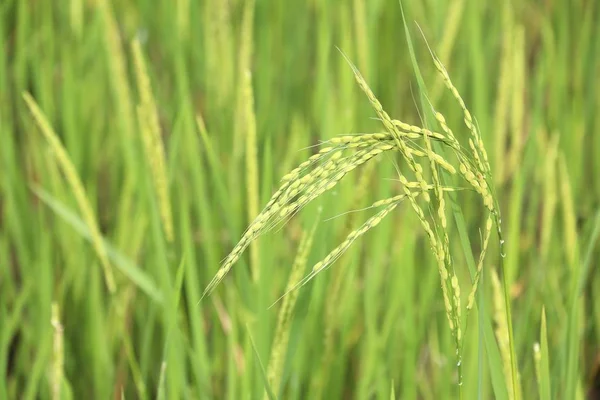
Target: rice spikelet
x=150 y=130
x=219 y=50
x=369 y=224
x=118 y=69
x=360 y=28
x=390 y=126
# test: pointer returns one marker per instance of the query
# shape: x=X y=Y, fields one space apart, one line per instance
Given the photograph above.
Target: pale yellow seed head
x=444 y=273
x=468 y=115
x=471 y=301
x=443 y=163
x=440 y=117
x=447 y=305
x=221 y=273
x=336 y=156
x=454 y=282
x=289 y=176
x=284 y=211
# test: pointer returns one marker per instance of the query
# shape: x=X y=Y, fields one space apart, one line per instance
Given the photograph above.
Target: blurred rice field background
x=138 y=139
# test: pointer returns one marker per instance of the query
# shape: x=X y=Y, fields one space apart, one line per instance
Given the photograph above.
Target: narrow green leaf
x=263 y=372
x=542 y=361
x=127 y=267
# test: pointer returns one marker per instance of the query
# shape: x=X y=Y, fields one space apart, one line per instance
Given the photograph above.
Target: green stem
x=511 y=340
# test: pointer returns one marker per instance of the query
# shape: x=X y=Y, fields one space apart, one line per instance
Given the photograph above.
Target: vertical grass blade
x=542 y=361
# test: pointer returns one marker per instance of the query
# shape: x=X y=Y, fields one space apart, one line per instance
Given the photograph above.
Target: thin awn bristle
x=364 y=228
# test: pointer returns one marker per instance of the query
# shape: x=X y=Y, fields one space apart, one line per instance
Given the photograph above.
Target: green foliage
x=165 y=124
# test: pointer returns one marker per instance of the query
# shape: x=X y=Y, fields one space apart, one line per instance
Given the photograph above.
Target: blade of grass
x=127 y=267
x=76 y=186
x=572 y=350
x=263 y=372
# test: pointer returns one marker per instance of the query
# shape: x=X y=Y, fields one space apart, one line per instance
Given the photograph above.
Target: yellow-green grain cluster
x=427 y=170
x=153 y=145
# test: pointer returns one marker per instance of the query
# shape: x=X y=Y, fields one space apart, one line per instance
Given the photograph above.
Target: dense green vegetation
x=139 y=139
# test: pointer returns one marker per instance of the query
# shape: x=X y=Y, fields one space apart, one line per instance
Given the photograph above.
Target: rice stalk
x=537 y=362
x=550 y=197
x=284 y=320
x=76 y=16
x=118 y=68
x=518 y=99
x=219 y=45
x=161 y=389
x=503 y=335
x=153 y=146
x=331 y=313
x=505 y=81
x=246 y=124
x=183 y=15
x=569 y=216
x=453 y=21
x=76 y=185
x=57 y=353
x=360 y=28
x=453 y=309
